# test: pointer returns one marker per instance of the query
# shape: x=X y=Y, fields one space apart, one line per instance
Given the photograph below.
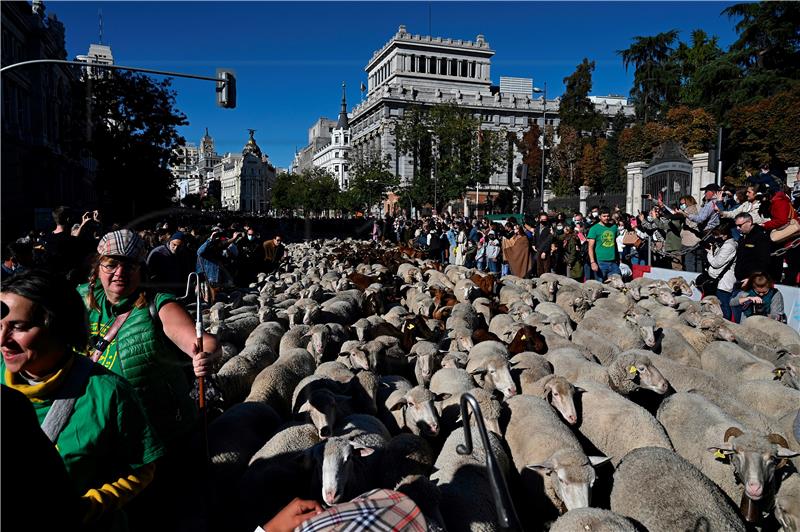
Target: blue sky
x=291 y=58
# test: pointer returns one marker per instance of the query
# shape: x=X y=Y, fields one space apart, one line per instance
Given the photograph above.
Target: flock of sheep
x=616 y=406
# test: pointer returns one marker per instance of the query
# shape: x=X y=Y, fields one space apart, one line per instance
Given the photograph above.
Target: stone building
x=334 y=156
x=319 y=136
x=246 y=180
x=41 y=165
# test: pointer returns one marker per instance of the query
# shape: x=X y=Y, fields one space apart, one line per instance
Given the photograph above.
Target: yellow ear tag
x=410 y=325
x=779 y=373
x=632 y=370
x=719 y=454
x=523 y=337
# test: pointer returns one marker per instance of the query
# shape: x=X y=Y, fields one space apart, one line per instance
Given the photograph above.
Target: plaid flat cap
x=377 y=510
x=122 y=243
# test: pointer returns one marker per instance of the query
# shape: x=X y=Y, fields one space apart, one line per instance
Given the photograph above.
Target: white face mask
x=250 y=237
x=595 y=214
x=559 y=227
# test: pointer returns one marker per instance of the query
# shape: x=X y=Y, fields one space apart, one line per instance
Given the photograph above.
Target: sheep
x=673 y=344
x=288 y=440
x=732 y=363
x=404 y=455
x=409 y=273
x=465 y=290
x=756 y=341
x=325 y=341
x=557 y=391
x=556 y=318
x=787 y=504
x=782 y=334
x=275 y=384
x=788 y=370
x=573 y=301
x=684 y=379
x=340 y=309
x=447 y=385
x=323 y=400
x=504 y=326
x=488 y=364
x=510 y=293
x=768 y=397
x=549 y=448
x=634 y=331
x=592 y=519
x=467 y=502
x=698 y=429
x=663 y=492
x=615 y=425
x=297 y=336
x=599 y=346
x=236 y=376
x=626 y=373
x=335 y=371
x=405 y=407
x=346 y=463
x=427 y=360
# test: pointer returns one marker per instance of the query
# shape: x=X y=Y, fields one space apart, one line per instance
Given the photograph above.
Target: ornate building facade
x=335 y=156
x=246 y=180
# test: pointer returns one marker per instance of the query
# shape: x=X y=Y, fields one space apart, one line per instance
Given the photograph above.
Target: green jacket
x=142 y=354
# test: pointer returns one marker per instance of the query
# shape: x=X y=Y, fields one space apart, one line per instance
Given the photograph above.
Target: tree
x=134 y=132
x=691 y=59
x=370 y=179
x=639 y=143
x=565 y=159
x=656 y=80
x=313 y=190
x=768 y=36
x=591 y=165
x=530 y=148
x=576 y=110
x=694 y=129
x=613 y=165
x=450 y=151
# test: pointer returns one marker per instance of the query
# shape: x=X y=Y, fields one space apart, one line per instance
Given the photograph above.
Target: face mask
x=683 y=206
x=250 y=237
x=649 y=218
x=575 y=220
x=594 y=214
x=559 y=227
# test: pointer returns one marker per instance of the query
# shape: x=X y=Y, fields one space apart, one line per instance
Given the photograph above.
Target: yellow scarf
x=41 y=391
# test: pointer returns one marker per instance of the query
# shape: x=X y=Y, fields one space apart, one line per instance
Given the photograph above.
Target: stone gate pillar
x=700 y=174
x=633 y=197
x=583 y=196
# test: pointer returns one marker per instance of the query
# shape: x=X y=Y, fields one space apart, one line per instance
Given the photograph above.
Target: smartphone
x=647 y=196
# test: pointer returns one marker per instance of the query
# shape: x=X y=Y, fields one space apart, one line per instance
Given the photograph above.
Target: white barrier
x=791 y=294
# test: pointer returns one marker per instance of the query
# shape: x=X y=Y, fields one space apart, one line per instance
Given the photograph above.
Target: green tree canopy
x=133 y=126
x=313 y=190
x=576 y=110
x=370 y=180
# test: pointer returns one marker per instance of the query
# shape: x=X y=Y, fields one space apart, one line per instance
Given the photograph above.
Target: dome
x=251 y=147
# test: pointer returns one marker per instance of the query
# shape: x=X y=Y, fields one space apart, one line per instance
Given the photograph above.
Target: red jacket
x=780 y=211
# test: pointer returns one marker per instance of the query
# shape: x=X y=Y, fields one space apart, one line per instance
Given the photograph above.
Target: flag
x=363 y=87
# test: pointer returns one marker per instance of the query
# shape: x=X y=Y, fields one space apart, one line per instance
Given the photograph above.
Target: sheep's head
x=311 y=314
x=754 y=457
x=680 y=286
x=320 y=335
x=571 y=475
x=467 y=291
x=427 y=361
x=615 y=281
x=633 y=370
x=362 y=328
x=561 y=328
x=788 y=370
x=490 y=409
x=492 y=373
x=560 y=393
x=645 y=325
x=552 y=288
x=527 y=338
x=664 y=295
x=418 y=411
x=321 y=409
x=338 y=457
x=462 y=339
x=712 y=305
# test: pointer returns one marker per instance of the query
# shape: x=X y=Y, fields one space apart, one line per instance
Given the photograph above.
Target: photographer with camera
x=720 y=278
x=760 y=298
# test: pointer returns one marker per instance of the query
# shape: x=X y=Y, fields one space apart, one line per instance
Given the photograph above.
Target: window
x=423 y=64
x=413 y=63
x=434 y=64
x=463 y=72
x=336 y=168
x=472 y=69
x=453 y=67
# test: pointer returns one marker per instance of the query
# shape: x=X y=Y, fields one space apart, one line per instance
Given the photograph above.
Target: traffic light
x=226 y=89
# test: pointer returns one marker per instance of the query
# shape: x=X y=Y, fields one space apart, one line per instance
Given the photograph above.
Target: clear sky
x=291 y=57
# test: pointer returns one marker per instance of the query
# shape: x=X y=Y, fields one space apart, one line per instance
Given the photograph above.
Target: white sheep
x=592 y=519
x=488 y=364
x=403 y=406
x=275 y=384
x=627 y=372
x=557 y=474
x=662 y=491
x=557 y=391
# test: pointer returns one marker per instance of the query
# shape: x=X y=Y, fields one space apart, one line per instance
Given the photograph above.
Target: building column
x=635 y=173
x=792 y=175
x=700 y=174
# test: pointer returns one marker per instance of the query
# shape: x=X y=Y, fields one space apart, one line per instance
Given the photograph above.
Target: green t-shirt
x=100 y=321
x=107 y=435
x=605 y=245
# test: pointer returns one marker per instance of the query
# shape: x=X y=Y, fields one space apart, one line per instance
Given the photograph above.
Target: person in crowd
x=376 y=230
x=671 y=227
x=273 y=253
x=572 y=248
x=155 y=341
x=750 y=205
x=480 y=253
x=493 y=258
x=580 y=233
x=461 y=245
x=781 y=212
x=542 y=240
x=452 y=241
x=764 y=178
x=631 y=242
x=602 y=246
x=721 y=258
x=213 y=256
x=690 y=234
x=251 y=257
x=103 y=436
x=752 y=253
x=759 y=297
x=60 y=247
x=168 y=266
x=16 y=258
x=516 y=250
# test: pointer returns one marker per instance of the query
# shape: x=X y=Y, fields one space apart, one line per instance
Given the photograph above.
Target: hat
x=178 y=235
x=713 y=187
x=217 y=229
x=122 y=243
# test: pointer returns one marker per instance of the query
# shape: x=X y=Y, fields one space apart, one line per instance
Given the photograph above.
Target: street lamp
x=544 y=137
x=433 y=175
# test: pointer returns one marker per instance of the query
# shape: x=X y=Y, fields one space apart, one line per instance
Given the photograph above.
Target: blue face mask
x=250 y=237
x=683 y=206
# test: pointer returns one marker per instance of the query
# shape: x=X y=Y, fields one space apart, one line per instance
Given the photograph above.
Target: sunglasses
x=741 y=224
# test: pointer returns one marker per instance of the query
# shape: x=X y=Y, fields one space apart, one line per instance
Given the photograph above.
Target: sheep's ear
x=578 y=389
x=778 y=372
x=544 y=467
x=443 y=396
x=362 y=450
x=597 y=460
